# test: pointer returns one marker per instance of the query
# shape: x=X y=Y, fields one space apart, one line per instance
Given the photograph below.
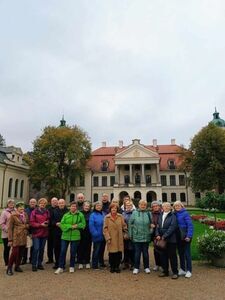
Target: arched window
x=95 y=197
x=21 y=188
x=10 y=187
x=16 y=188
x=72 y=197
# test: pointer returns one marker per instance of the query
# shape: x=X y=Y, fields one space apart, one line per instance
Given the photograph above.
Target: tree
x=58 y=157
x=2 y=141
x=207 y=161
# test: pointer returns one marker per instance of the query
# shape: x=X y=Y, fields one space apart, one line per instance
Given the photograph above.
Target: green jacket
x=140 y=226
x=69 y=219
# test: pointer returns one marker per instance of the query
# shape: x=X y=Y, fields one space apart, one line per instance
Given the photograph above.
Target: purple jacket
x=38 y=217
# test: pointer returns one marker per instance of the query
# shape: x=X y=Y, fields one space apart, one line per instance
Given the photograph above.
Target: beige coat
x=18 y=231
x=113 y=231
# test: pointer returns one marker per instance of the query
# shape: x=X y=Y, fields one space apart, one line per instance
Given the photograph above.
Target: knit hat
x=155 y=203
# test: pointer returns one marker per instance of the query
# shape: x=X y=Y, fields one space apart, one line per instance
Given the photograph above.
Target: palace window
x=95 y=197
x=173 y=197
x=104 y=180
x=10 y=187
x=16 y=188
x=181 y=180
x=21 y=188
x=126 y=168
x=148 y=179
x=163 y=180
x=95 y=181
x=105 y=166
x=172 y=180
x=164 y=197
x=126 y=179
x=171 y=164
x=82 y=180
x=182 y=197
x=112 y=180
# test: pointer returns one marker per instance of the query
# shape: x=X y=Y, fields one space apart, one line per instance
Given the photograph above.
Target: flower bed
x=198 y=217
x=220 y=224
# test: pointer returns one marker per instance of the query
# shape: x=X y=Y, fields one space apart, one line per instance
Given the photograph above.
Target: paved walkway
x=207 y=283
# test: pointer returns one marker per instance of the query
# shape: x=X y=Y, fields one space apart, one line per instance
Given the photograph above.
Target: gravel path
x=207 y=283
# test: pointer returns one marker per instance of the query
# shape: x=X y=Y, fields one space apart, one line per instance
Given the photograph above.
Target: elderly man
x=28 y=210
x=54 y=205
x=105 y=203
x=56 y=217
x=80 y=201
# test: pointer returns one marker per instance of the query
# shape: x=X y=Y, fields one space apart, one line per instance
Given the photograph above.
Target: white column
x=116 y=175
x=158 y=173
x=131 y=173
x=143 y=174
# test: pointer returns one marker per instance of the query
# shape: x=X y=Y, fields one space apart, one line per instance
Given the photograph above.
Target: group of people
x=127 y=232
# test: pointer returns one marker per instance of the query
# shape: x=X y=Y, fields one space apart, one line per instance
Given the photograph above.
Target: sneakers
x=80 y=267
x=18 y=269
x=174 y=276
x=58 y=271
x=71 y=270
x=147 y=271
x=188 y=274
x=181 y=272
x=88 y=266
x=135 y=271
x=156 y=268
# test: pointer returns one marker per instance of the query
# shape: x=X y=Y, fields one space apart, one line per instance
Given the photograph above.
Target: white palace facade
x=150 y=172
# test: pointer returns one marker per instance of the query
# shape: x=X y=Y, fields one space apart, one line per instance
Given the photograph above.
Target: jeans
x=6 y=251
x=141 y=247
x=97 y=253
x=73 y=252
x=38 y=250
x=184 y=251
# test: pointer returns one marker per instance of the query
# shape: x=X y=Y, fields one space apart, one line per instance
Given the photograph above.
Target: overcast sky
x=119 y=69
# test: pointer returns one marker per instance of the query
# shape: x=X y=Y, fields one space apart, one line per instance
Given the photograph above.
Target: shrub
x=211 y=244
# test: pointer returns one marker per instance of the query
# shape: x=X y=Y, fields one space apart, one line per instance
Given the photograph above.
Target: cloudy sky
x=119 y=69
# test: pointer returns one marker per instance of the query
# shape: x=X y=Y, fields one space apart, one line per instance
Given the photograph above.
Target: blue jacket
x=184 y=221
x=96 y=221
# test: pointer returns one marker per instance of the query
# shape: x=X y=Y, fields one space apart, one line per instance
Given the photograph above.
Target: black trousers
x=50 y=245
x=25 y=254
x=101 y=254
x=169 y=255
x=84 y=250
x=6 y=251
x=115 y=260
x=57 y=248
x=157 y=257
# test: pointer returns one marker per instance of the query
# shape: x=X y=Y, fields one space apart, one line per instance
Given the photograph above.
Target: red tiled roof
x=166 y=152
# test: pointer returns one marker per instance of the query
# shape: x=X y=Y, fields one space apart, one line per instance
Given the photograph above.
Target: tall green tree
x=207 y=161
x=58 y=157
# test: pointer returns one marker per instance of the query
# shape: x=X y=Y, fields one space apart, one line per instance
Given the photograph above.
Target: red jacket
x=38 y=217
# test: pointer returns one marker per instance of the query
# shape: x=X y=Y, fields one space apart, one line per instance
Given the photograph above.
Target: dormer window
x=105 y=166
x=171 y=164
x=13 y=156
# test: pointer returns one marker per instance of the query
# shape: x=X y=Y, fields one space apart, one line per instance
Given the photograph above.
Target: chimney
x=154 y=142
x=103 y=144
x=120 y=144
x=173 y=142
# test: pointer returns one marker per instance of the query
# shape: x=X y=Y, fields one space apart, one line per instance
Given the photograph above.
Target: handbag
x=160 y=244
x=183 y=233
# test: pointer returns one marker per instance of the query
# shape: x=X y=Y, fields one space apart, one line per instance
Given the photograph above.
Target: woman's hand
x=108 y=241
x=158 y=237
x=74 y=226
x=57 y=224
x=187 y=239
x=152 y=226
x=10 y=244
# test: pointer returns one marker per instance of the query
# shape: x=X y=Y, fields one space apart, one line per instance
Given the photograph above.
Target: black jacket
x=169 y=228
x=56 y=217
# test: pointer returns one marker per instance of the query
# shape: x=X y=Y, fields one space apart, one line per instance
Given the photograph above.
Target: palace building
x=14 y=183
x=148 y=172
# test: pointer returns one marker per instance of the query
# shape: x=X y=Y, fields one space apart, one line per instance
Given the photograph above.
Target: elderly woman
x=84 y=248
x=184 y=237
x=71 y=225
x=156 y=211
x=140 y=233
x=166 y=231
x=17 y=237
x=113 y=230
x=96 y=229
x=128 y=245
x=4 y=222
x=39 y=220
